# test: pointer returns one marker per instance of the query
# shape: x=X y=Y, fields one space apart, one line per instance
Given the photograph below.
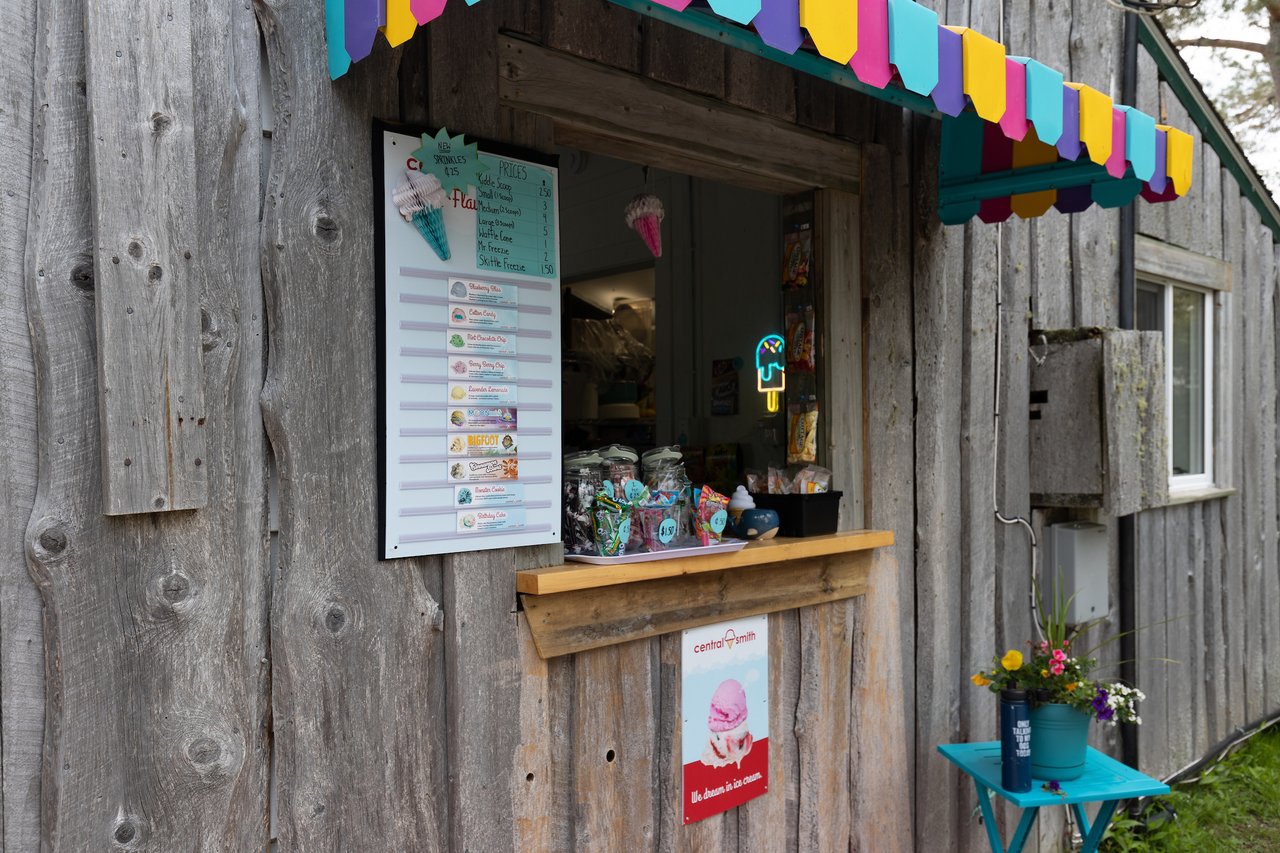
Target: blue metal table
x=1105 y=781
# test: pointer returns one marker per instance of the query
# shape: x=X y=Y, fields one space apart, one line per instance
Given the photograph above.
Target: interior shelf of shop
x=578 y=576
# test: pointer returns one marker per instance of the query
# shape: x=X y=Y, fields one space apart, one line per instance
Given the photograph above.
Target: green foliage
x=1231 y=807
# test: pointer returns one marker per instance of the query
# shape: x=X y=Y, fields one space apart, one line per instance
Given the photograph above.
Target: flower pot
x=1059 y=742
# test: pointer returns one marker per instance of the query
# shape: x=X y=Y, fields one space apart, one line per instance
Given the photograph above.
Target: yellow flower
x=980 y=679
x=1044 y=673
x=1071 y=686
x=1012 y=660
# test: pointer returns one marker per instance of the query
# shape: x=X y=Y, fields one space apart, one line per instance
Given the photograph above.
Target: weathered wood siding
x=405 y=703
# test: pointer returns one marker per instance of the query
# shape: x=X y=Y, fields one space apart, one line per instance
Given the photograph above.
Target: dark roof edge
x=1213 y=129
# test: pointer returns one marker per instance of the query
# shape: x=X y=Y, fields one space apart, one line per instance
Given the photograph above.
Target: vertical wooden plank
x=1234 y=550
x=349 y=634
x=21 y=640
x=151 y=741
x=979 y=610
x=1152 y=642
x=1217 y=651
x=942 y=803
x=880 y=809
x=1153 y=219
x=681 y=58
x=142 y=166
x=1271 y=254
x=535 y=784
x=1254 y=480
x=1051 y=259
x=822 y=726
x=841 y=341
x=1183 y=215
x=615 y=742
x=1208 y=170
x=1177 y=566
x=771 y=823
x=760 y=84
x=594 y=29
x=889 y=472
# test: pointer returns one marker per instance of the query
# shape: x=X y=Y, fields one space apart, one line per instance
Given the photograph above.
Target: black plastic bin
x=804 y=515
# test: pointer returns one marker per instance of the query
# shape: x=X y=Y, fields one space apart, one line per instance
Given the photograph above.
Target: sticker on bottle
x=482 y=418
x=484 y=495
x=482 y=393
x=483 y=317
x=483 y=292
x=718 y=520
x=481 y=368
x=624 y=530
x=484 y=469
x=490 y=520
x=667 y=530
x=490 y=343
x=633 y=489
x=482 y=444
x=607 y=487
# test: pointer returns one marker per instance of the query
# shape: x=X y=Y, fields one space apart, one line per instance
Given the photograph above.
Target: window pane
x=1150 y=308
x=1188 y=391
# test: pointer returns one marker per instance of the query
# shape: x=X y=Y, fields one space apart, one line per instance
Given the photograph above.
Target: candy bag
x=712 y=515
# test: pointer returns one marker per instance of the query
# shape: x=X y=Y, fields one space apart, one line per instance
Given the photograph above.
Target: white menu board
x=470 y=361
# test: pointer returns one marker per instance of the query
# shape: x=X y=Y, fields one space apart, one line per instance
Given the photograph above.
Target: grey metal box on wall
x=1097 y=430
x=1079 y=556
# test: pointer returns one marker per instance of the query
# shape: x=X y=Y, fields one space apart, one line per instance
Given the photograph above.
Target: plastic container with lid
x=618 y=466
x=581 y=483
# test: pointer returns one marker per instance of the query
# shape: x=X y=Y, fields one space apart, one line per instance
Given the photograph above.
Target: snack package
x=800 y=348
x=711 y=516
x=802 y=433
x=756 y=483
x=613 y=526
x=779 y=483
x=660 y=525
x=811 y=480
x=797 y=253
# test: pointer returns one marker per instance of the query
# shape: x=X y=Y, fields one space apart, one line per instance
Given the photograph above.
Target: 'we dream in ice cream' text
x=728 y=641
x=708 y=793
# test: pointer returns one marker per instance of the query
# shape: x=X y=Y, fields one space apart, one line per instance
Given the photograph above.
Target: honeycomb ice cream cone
x=421 y=201
x=644 y=214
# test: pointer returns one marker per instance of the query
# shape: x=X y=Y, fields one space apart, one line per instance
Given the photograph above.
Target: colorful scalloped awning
x=1017 y=137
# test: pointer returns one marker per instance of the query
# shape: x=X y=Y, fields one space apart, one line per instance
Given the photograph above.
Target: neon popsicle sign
x=771 y=369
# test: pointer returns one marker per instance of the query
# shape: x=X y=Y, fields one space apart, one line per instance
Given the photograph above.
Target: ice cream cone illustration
x=729 y=740
x=644 y=214
x=421 y=201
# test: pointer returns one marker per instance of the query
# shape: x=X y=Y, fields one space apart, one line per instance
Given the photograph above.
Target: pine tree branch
x=1231 y=44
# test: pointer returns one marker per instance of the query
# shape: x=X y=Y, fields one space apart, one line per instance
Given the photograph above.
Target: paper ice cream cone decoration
x=729 y=740
x=421 y=201
x=645 y=214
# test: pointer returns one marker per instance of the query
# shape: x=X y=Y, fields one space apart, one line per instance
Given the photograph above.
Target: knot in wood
x=160 y=123
x=327 y=229
x=127 y=833
x=154 y=273
x=204 y=751
x=335 y=619
x=175 y=587
x=135 y=249
x=50 y=541
x=82 y=275
x=210 y=334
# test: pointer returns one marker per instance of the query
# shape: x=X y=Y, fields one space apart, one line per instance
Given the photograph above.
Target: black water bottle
x=1015 y=741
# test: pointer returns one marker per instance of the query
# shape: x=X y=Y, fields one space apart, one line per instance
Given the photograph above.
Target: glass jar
x=618 y=467
x=581 y=483
x=668 y=484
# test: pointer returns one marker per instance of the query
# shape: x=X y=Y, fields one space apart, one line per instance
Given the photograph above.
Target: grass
x=1233 y=805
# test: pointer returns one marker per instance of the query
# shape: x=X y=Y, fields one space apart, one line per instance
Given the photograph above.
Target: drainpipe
x=1128 y=523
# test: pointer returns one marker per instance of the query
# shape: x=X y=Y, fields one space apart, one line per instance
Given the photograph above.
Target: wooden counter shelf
x=579 y=606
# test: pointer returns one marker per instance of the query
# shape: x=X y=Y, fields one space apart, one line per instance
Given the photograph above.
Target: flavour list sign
x=725 y=715
x=469 y=309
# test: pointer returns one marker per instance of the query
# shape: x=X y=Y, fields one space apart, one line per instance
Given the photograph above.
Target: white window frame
x=1188 y=482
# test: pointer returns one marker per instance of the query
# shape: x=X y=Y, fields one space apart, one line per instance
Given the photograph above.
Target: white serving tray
x=725 y=546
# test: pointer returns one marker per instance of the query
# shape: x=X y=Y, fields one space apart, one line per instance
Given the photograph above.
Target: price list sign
x=515 y=219
x=470 y=361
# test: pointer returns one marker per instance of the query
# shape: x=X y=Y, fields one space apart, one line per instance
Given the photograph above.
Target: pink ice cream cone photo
x=645 y=214
x=729 y=740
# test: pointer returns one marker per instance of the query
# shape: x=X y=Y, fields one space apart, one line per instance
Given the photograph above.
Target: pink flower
x=1044 y=646
x=1056 y=668
x=1059 y=655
